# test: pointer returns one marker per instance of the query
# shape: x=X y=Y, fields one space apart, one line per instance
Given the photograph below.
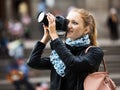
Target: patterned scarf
x=58 y=64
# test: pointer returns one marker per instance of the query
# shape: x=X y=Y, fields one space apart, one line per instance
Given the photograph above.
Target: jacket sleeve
x=91 y=60
x=35 y=60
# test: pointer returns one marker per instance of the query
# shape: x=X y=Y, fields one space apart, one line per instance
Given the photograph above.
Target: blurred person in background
x=68 y=62
x=26 y=21
x=41 y=86
x=16 y=49
x=15 y=45
x=38 y=86
x=13 y=74
x=15 y=28
x=18 y=74
x=113 y=23
x=3 y=39
x=25 y=70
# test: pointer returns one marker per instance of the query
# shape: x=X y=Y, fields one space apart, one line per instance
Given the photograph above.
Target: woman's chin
x=69 y=35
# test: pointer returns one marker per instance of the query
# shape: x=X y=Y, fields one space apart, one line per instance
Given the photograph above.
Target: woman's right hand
x=46 y=36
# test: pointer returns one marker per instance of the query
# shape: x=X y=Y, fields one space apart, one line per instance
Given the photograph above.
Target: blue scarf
x=58 y=64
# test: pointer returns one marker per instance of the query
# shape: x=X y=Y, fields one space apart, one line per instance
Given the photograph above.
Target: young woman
x=68 y=62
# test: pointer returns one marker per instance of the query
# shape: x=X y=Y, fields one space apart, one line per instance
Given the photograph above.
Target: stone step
x=4 y=83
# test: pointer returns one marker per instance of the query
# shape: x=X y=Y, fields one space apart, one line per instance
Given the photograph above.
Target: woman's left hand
x=52 y=26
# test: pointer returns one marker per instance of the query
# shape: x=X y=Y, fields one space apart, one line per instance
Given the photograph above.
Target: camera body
x=61 y=22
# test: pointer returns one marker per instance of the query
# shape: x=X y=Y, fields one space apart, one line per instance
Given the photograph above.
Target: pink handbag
x=99 y=80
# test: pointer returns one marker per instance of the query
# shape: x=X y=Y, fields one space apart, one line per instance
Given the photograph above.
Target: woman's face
x=75 y=26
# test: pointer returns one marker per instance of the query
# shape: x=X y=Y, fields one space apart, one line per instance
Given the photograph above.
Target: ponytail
x=93 y=32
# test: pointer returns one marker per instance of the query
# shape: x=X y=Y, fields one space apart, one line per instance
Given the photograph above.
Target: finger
x=50 y=17
x=45 y=27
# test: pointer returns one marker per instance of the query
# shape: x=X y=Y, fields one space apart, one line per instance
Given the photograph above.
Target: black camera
x=61 y=22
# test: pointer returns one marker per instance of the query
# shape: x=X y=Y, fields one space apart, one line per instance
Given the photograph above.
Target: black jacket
x=78 y=64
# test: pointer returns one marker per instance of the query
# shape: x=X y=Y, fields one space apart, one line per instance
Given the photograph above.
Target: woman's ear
x=87 y=30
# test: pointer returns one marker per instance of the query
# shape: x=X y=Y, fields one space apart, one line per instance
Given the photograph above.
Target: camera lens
x=42 y=18
x=61 y=22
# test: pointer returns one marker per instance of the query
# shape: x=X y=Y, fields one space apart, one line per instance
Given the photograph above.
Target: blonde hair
x=88 y=21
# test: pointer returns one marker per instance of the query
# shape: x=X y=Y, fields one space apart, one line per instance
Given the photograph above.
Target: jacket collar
x=77 y=49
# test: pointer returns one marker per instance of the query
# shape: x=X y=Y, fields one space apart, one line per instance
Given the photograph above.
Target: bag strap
x=103 y=61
